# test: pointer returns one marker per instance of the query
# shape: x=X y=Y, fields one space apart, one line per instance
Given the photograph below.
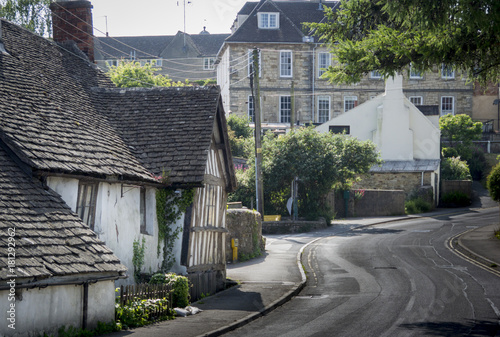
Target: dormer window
x=269 y=20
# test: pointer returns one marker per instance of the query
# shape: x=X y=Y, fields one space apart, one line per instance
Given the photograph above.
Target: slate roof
x=171 y=133
x=47 y=113
x=398 y=166
x=50 y=240
x=153 y=46
x=292 y=16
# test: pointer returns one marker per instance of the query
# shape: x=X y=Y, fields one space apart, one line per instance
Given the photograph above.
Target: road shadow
x=468 y=328
x=369 y=230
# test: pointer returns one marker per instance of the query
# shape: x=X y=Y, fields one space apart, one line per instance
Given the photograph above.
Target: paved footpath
x=272 y=280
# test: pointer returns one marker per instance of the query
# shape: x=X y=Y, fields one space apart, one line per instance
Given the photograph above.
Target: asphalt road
x=396 y=279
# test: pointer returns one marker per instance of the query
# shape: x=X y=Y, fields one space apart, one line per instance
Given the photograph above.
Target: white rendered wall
x=67 y=188
x=48 y=309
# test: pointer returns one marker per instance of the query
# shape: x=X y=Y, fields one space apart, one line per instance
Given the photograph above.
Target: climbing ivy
x=138 y=258
x=170 y=205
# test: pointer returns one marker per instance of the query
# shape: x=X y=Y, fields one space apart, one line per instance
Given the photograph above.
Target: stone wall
x=450 y=186
x=246 y=226
x=407 y=181
x=367 y=203
x=308 y=86
x=289 y=226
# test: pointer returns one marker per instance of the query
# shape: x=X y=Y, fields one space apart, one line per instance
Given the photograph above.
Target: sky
x=163 y=17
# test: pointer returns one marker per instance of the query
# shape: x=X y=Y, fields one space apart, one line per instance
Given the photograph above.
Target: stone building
x=181 y=56
x=292 y=62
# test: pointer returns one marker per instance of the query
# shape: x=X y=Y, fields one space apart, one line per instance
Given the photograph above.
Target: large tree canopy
x=389 y=35
x=132 y=74
x=32 y=14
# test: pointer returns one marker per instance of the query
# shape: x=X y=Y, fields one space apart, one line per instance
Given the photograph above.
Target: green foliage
x=493 y=183
x=132 y=74
x=101 y=329
x=477 y=163
x=180 y=286
x=320 y=160
x=417 y=205
x=33 y=15
x=455 y=199
x=460 y=128
x=138 y=258
x=169 y=209
x=454 y=169
x=240 y=134
x=137 y=313
x=388 y=36
x=448 y=152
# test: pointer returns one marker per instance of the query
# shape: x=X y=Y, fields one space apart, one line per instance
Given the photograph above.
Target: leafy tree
x=389 y=35
x=493 y=183
x=321 y=161
x=132 y=74
x=460 y=128
x=240 y=134
x=454 y=168
x=34 y=15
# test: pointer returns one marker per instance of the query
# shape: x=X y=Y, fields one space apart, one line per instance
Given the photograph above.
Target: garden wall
x=290 y=226
x=450 y=186
x=364 y=203
x=246 y=226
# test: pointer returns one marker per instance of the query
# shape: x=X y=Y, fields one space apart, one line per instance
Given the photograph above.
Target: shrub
x=180 y=286
x=477 y=163
x=493 y=183
x=454 y=169
x=448 y=152
x=455 y=199
x=137 y=313
x=417 y=205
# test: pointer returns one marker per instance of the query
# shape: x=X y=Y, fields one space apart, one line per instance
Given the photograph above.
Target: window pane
x=324 y=62
x=350 y=102
x=251 y=109
x=87 y=196
x=285 y=109
x=323 y=109
x=416 y=100
x=447 y=105
x=286 y=64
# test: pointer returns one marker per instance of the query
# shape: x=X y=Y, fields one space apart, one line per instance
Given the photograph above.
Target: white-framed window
x=208 y=63
x=250 y=62
x=447 y=72
x=323 y=109
x=375 y=74
x=269 y=20
x=416 y=100
x=285 y=109
x=142 y=210
x=324 y=61
x=86 y=204
x=350 y=102
x=447 y=105
x=415 y=74
x=286 y=63
x=251 y=109
x=159 y=62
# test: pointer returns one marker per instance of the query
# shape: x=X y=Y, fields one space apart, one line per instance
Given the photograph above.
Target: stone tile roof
x=50 y=240
x=151 y=47
x=172 y=131
x=47 y=114
x=292 y=16
x=428 y=165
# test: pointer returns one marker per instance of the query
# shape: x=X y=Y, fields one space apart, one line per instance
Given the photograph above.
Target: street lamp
x=497 y=103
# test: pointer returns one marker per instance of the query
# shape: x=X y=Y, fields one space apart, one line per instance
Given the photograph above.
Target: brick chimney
x=72 y=21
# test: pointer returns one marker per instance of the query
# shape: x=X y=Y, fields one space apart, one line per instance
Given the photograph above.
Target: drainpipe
x=85 y=305
x=313 y=82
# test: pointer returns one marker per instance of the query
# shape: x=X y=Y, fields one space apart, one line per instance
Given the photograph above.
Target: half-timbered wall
x=208 y=230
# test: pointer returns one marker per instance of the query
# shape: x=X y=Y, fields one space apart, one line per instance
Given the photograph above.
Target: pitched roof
x=153 y=46
x=292 y=16
x=47 y=113
x=50 y=240
x=173 y=131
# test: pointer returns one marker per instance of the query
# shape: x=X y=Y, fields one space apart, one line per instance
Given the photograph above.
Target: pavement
x=270 y=281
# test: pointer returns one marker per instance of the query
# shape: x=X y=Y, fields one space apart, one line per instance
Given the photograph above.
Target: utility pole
x=254 y=77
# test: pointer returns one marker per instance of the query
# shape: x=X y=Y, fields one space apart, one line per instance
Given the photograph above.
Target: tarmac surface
x=271 y=281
